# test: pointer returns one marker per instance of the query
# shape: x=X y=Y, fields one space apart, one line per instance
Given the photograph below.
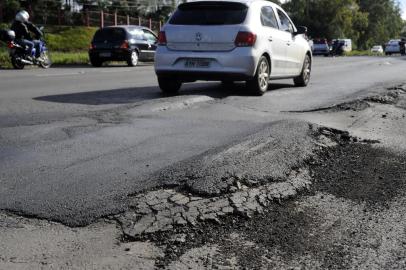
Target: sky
x=403 y=6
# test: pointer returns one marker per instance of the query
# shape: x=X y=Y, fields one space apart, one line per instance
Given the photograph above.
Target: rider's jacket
x=22 y=30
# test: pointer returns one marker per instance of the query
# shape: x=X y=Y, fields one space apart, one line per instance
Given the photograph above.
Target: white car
x=253 y=41
x=392 y=47
x=378 y=49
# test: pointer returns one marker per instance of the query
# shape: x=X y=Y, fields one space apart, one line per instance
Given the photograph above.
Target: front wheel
x=259 y=84
x=45 y=60
x=169 y=86
x=17 y=63
x=304 y=77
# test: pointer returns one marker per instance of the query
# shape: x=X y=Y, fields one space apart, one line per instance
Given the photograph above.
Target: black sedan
x=122 y=43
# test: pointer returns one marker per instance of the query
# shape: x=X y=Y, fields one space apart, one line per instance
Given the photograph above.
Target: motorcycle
x=20 y=58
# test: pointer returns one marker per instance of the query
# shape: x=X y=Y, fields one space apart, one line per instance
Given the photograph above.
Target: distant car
x=346 y=44
x=122 y=43
x=392 y=47
x=321 y=47
x=378 y=49
x=235 y=40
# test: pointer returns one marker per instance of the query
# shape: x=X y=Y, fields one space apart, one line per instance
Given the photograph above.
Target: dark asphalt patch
x=394 y=96
x=281 y=230
x=360 y=172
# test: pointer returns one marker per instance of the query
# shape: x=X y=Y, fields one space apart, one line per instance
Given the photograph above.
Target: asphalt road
x=74 y=142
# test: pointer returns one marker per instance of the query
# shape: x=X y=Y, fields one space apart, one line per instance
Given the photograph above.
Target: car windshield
x=109 y=34
x=209 y=13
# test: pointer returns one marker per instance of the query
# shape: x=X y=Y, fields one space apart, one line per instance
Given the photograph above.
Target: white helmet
x=22 y=16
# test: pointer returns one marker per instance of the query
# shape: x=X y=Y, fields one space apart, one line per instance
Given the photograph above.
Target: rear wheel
x=132 y=60
x=16 y=63
x=227 y=84
x=96 y=62
x=259 y=84
x=169 y=86
x=304 y=77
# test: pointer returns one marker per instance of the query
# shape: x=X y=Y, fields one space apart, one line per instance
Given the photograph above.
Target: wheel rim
x=263 y=75
x=306 y=70
x=134 y=58
x=45 y=59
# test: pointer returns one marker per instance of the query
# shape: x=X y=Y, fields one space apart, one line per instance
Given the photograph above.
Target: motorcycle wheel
x=17 y=64
x=44 y=60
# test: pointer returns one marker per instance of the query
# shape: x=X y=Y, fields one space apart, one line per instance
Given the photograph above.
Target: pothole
x=392 y=96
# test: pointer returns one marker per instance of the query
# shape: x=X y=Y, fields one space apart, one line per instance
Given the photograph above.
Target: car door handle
x=288 y=43
x=270 y=38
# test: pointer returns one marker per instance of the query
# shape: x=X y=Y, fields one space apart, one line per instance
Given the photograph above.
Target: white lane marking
x=60 y=74
x=116 y=71
x=179 y=104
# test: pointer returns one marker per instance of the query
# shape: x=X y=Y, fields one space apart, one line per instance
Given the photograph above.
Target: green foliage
x=67 y=39
x=10 y=8
x=366 y=22
x=58 y=58
x=64 y=58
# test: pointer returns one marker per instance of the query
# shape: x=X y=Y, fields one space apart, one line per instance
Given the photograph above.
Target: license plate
x=105 y=54
x=197 y=63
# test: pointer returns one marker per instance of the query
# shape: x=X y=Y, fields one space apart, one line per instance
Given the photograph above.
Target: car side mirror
x=300 y=30
x=41 y=28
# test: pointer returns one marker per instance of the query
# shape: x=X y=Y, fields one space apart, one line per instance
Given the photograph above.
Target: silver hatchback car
x=253 y=41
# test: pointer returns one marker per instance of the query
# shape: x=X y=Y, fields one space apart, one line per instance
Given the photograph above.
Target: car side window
x=149 y=36
x=268 y=17
x=286 y=25
x=137 y=34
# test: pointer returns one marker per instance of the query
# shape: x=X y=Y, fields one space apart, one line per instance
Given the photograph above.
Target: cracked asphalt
x=306 y=178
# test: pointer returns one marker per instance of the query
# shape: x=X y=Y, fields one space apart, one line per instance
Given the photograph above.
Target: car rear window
x=209 y=13
x=110 y=34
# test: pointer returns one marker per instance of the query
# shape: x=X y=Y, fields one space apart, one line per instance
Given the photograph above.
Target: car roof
x=127 y=27
x=246 y=2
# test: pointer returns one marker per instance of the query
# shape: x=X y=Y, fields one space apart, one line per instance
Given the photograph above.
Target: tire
x=133 y=58
x=45 y=61
x=227 y=84
x=16 y=63
x=169 y=86
x=96 y=62
x=303 y=79
x=259 y=84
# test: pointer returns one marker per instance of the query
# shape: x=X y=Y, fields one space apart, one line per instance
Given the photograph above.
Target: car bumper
x=113 y=55
x=320 y=52
x=238 y=64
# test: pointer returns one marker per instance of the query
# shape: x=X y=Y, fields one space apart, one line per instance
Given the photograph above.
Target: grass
x=70 y=58
x=361 y=53
x=68 y=39
x=58 y=58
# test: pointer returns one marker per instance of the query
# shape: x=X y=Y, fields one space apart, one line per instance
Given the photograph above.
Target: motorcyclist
x=23 y=29
x=402 y=44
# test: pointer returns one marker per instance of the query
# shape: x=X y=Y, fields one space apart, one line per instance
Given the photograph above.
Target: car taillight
x=245 y=39
x=125 y=45
x=162 y=38
x=91 y=46
x=10 y=45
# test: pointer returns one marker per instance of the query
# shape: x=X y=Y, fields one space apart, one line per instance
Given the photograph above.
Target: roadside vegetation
x=67 y=45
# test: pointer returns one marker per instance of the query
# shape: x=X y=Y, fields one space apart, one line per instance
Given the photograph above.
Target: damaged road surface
x=302 y=178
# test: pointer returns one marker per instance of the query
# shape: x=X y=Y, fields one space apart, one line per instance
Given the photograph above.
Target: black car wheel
x=169 y=86
x=133 y=59
x=96 y=62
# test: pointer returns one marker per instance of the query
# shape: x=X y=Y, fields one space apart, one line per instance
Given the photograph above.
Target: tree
x=9 y=10
x=366 y=22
